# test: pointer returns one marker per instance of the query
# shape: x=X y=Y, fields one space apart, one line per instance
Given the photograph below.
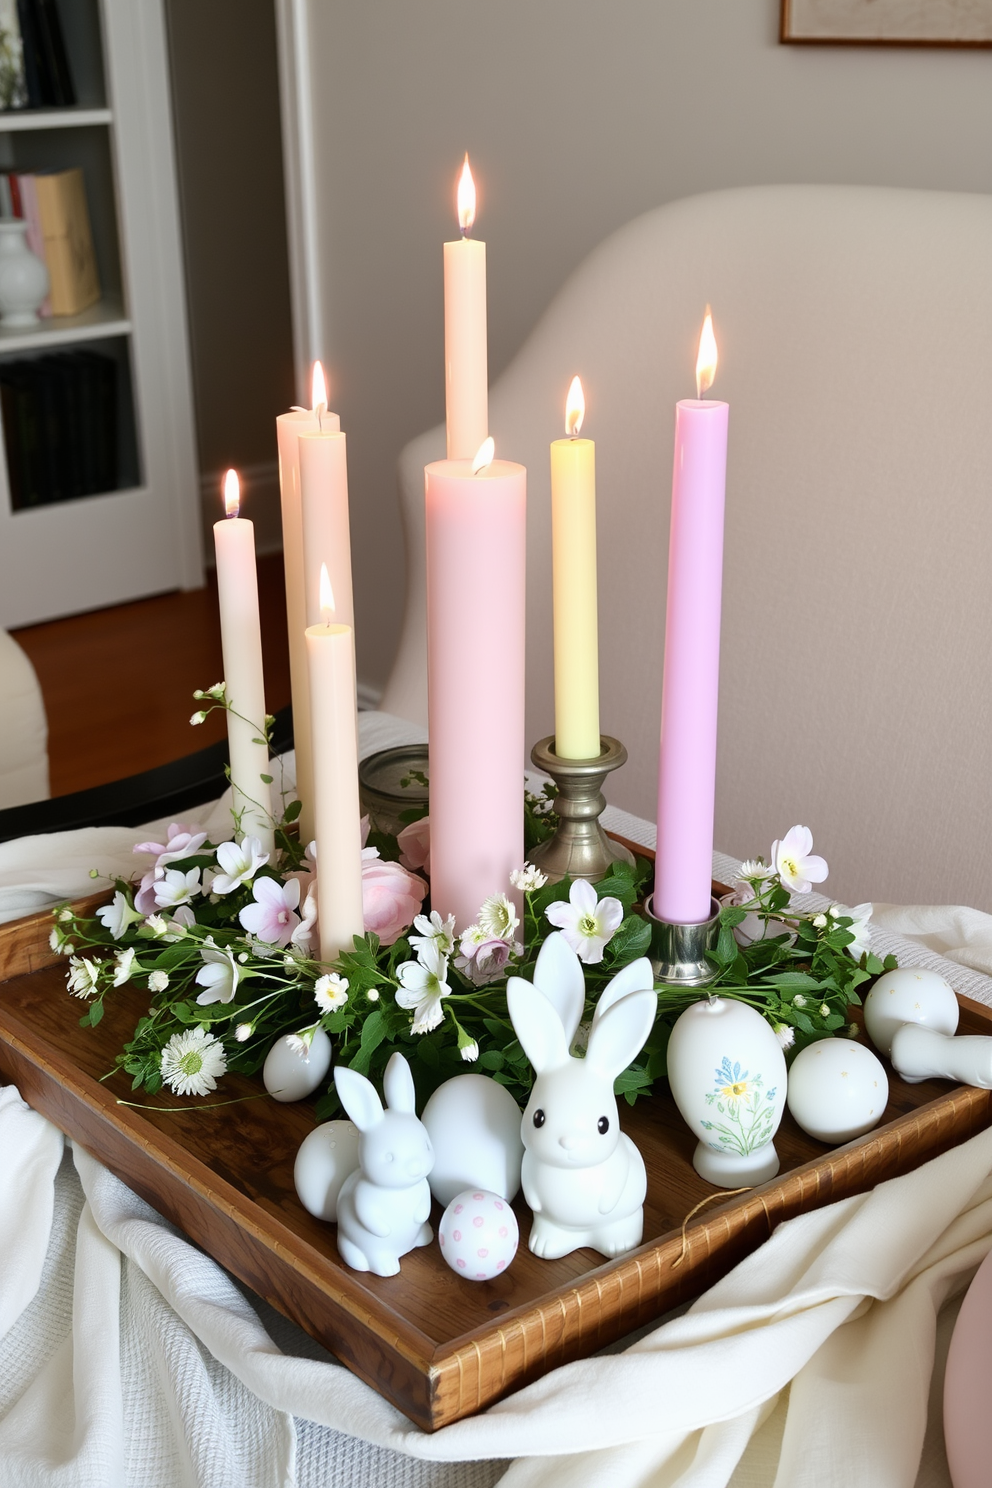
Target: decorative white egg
x=478 y=1234
x=290 y=1075
x=474 y=1126
x=326 y=1156
x=838 y=1089
x=910 y=994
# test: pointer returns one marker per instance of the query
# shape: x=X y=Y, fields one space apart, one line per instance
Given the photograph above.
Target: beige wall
x=579 y=114
x=229 y=155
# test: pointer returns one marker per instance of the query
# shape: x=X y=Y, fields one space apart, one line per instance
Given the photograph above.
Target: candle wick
x=466 y=232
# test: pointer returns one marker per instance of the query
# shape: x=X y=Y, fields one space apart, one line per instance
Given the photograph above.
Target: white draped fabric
x=127 y=1357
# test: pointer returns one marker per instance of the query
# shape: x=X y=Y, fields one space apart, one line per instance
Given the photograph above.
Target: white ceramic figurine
x=582 y=1177
x=383 y=1206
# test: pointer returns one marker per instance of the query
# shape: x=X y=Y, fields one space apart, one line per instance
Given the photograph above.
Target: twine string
x=724 y=1193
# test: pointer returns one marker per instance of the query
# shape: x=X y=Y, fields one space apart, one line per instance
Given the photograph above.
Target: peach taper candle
x=466 y=361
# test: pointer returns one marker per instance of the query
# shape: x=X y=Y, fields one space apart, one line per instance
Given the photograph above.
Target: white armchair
x=855 y=335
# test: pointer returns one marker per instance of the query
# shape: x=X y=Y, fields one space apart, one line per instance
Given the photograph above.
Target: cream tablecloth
x=127 y=1357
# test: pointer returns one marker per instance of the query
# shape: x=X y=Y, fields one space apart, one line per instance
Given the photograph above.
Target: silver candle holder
x=679 y=952
x=579 y=847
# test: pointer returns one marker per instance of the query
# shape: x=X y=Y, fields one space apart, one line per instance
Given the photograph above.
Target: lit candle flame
x=318 y=390
x=232 y=493
x=326 y=596
x=484 y=455
x=707 y=359
x=575 y=408
x=466 y=199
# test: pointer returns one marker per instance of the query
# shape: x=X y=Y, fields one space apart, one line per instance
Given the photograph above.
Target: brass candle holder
x=579 y=847
x=678 y=952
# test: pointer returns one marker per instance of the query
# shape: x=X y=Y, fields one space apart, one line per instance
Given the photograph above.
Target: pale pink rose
x=415 y=845
x=391 y=897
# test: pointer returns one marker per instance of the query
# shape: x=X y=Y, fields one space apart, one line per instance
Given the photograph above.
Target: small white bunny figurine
x=582 y=1177
x=384 y=1205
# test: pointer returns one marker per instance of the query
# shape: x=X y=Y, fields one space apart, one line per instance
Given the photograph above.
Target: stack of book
x=59 y=427
x=34 y=68
x=53 y=202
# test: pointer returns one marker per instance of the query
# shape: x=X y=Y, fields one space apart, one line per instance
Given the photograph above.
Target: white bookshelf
x=144 y=537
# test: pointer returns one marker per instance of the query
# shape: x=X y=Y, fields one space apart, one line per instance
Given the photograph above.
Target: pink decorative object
x=687 y=762
x=415 y=845
x=476 y=567
x=478 y=1235
x=391 y=897
x=466 y=358
x=968 y=1385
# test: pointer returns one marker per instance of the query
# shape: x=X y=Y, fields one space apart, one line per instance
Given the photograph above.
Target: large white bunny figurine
x=582 y=1177
x=384 y=1205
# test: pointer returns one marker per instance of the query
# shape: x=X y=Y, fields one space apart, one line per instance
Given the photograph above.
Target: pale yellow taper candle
x=289 y=426
x=466 y=356
x=573 y=522
x=241 y=644
x=333 y=708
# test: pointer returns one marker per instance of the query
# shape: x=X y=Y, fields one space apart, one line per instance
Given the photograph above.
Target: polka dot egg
x=478 y=1234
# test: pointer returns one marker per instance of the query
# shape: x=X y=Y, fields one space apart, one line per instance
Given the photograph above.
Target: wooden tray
x=437 y=1346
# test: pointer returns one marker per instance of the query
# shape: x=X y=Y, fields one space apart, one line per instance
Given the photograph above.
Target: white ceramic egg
x=478 y=1234
x=910 y=994
x=288 y=1075
x=326 y=1157
x=474 y=1126
x=838 y=1089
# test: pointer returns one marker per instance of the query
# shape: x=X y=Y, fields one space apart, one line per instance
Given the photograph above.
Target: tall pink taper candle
x=476 y=571
x=687 y=762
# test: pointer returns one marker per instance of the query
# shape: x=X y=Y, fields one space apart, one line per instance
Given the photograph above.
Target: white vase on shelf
x=728 y=1078
x=24 y=282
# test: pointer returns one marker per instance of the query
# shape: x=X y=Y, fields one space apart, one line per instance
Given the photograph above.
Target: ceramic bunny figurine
x=383 y=1206
x=582 y=1177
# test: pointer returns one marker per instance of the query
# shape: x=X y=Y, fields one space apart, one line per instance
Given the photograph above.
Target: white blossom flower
x=528 y=878
x=158 y=981
x=83 y=976
x=243 y=1032
x=422 y=986
x=299 y=1043
x=434 y=931
x=218 y=975
x=795 y=863
x=754 y=869
x=198 y=717
x=65 y=915
x=819 y=922
x=216 y=692
x=373 y=994
x=587 y=923
x=176 y=887
x=192 y=1061
x=123 y=966
x=469 y=1051
x=240 y=862
x=55 y=939
x=799 y=1000
x=498 y=918
x=824 y=1010
x=860 y=917
x=156 y=925
x=117 y=915
x=786 y=1036
x=331 y=992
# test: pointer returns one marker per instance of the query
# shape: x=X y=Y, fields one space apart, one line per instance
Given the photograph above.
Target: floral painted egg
x=909 y=994
x=478 y=1234
x=291 y=1072
x=838 y=1090
x=326 y=1157
x=474 y=1126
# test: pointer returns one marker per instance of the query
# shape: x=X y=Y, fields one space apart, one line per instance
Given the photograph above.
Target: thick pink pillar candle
x=687 y=764
x=476 y=557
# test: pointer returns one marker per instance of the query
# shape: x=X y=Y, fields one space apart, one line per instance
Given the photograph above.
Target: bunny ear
x=537 y=1025
x=358 y=1096
x=637 y=977
x=397 y=1085
x=619 y=1034
x=558 y=974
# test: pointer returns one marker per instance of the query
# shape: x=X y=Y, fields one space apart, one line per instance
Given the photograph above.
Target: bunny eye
x=539 y=1117
x=603 y=1125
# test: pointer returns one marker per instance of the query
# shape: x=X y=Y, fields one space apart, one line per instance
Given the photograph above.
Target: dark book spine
x=29 y=41
x=54 y=44
x=12 y=442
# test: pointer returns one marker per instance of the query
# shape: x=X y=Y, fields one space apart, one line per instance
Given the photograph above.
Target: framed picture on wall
x=964 y=23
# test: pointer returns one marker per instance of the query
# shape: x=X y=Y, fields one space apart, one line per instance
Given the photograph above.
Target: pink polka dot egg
x=478 y=1234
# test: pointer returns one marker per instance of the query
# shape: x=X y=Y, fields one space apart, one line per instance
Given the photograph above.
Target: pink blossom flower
x=391 y=896
x=484 y=961
x=272 y=918
x=415 y=845
x=183 y=842
x=144 y=898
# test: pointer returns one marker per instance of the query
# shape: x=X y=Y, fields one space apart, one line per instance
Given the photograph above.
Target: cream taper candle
x=289 y=426
x=326 y=527
x=466 y=359
x=241 y=643
x=331 y=664
x=573 y=526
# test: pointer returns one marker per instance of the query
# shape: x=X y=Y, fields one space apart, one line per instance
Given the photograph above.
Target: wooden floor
x=118 y=684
